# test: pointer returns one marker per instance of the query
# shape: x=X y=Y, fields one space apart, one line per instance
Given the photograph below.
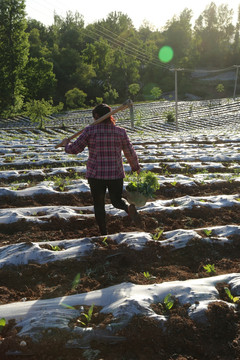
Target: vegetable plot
x=166 y=290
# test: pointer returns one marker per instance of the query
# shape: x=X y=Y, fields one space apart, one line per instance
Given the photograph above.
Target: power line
x=130 y=47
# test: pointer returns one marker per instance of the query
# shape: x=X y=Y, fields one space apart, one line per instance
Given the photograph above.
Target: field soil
x=113 y=264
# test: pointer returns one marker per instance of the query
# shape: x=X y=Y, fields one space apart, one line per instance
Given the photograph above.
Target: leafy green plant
x=68 y=306
x=146 y=274
x=168 y=302
x=234 y=299
x=2 y=324
x=61 y=183
x=39 y=110
x=207 y=232
x=145 y=183
x=88 y=316
x=157 y=235
x=104 y=241
x=76 y=281
x=170 y=115
x=55 y=247
x=210 y=268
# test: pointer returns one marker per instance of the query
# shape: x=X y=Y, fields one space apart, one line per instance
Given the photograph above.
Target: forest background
x=76 y=66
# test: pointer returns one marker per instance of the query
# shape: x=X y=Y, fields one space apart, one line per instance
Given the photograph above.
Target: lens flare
x=165 y=54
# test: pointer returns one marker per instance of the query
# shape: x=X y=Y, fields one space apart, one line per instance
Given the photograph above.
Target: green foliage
x=207 y=232
x=146 y=274
x=76 y=281
x=2 y=324
x=210 y=268
x=104 y=241
x=234 y=299
x=133 y=89
x=85 y=57
x=40 y=80
x=55 y=247
x=145 y=183
x=111 y=95
x=168 y=302
x=68 y=306
x=156 y=92
x=61 y=183
x=170 y=115
x=87 y=316
x=220 y=88
x=38 y=110
x=75 y=98
x=14 y=49
x=158 y=235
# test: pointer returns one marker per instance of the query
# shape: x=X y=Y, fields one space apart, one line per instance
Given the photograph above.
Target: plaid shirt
x=105 y=142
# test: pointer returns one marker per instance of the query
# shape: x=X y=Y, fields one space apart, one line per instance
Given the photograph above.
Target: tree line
x=109 y=60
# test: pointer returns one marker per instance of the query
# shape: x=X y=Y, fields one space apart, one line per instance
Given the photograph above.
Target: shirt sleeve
x=130 y=153
x=78 y=145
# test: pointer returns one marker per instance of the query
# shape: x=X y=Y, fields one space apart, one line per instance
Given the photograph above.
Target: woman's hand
x=64 y=142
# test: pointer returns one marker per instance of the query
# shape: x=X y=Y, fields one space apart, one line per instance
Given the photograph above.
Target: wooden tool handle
x=125 y=105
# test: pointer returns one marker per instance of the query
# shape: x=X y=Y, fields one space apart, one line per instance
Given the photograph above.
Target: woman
x=105 y=142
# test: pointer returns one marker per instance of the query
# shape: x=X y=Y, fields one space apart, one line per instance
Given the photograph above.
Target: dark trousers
x=98 y=190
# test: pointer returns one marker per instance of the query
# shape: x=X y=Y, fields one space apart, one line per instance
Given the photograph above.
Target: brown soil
x=112 y=264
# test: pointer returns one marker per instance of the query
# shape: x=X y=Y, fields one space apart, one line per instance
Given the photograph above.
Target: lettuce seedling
x=210 y=268
x=157 y=235
x=207 y=232
x=168 y=301
x=234 y=299
x=88 y=316
x=76 y=281
x=2 y=324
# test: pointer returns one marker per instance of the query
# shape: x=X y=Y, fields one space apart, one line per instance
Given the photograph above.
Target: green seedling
x=88 y=316
x=207 y=232
x=210 y=268
x=2 y=324
x=174 y=183
x=104 y=241
x=68 y=306
x=234 y=299
x=157 y=235
x=146 y=274
x=168 y=301
x=76 y=281
x=55 y=247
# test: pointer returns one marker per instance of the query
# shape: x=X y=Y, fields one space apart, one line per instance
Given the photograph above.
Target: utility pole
x=235 y=86
x=176 y=96
x=176 y=99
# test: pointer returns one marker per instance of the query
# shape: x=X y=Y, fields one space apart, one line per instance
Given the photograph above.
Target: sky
x=155 y=12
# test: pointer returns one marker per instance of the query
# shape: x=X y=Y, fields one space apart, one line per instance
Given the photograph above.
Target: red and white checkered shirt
x=105 y=142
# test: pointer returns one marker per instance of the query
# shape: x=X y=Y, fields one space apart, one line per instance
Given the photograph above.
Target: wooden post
x=235 y=86
x=131 y=114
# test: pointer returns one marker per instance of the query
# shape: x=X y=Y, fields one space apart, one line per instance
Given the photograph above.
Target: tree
x=134 y=89
x=40 y=79
x=75 y=98
x=39 y=110
x=13 y=55
x=111 y=95
x=178 y=35
x=156 y=92
x=214 y=34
